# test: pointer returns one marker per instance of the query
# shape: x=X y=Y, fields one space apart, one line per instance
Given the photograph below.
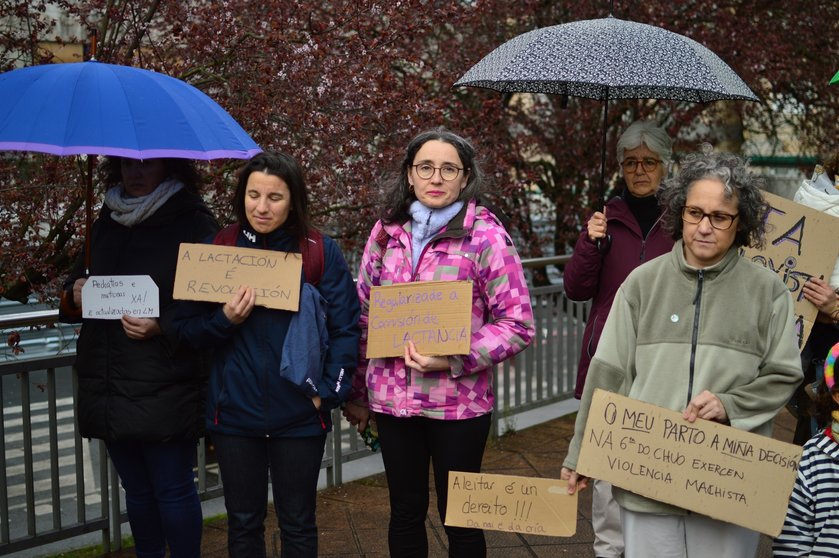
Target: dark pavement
x=353 y=518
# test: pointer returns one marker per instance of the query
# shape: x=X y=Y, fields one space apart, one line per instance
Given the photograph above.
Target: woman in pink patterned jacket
x=435 y=408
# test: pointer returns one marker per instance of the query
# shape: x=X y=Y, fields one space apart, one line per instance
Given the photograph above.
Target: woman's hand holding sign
x=240 y=306
x=420 y=363
x=706 y=406
x=140 y=328
x=576 y=482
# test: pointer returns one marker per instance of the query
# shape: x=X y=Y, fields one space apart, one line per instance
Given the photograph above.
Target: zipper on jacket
x=697 y=300
x=644 y=240
x=415 y=272
x=589 y=352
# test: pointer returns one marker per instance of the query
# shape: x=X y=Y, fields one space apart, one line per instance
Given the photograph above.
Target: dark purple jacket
x=591 y=275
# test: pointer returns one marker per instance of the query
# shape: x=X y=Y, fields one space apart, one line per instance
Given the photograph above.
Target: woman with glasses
x=703 y=331
x=606 y=251
x=436 y=409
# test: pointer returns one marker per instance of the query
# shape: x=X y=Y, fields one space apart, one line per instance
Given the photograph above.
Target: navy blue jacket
x=247 y=396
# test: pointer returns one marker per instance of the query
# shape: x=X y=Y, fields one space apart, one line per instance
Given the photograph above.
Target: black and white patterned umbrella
x=608 y=58
x=604 y=59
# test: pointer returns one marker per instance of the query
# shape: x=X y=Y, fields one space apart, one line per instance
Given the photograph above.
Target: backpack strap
x=311 y=249
x=227 y=236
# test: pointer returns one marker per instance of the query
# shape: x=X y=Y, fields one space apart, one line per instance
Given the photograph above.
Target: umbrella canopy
x=608 y=58
x=105 y=109
x=604 y=59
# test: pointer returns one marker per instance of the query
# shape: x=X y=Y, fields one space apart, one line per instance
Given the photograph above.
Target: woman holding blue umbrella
x=140 y=390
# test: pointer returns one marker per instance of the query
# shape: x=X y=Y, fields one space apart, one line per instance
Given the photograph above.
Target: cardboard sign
x=800 y=243
x=706 y=467
x=110 y=297
x=435 y=315
x=214 y=273
x=513 y=504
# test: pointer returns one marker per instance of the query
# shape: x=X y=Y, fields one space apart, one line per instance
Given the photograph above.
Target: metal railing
x=55 y=485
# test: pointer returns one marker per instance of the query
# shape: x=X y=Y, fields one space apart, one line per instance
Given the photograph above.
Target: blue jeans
x=160 y=496
x=294 y=464
x=408 y=446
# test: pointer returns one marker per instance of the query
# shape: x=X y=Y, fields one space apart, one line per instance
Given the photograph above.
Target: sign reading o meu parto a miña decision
x=706 y=467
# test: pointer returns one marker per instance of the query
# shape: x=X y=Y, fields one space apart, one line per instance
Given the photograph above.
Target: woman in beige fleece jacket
x=703 y=331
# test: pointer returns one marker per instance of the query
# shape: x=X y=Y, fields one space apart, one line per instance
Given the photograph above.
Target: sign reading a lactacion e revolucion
x=706 y=467
x=435 y=315
x=214 y=273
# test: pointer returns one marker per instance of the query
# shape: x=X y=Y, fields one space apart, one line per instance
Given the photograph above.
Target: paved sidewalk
x=353 y=518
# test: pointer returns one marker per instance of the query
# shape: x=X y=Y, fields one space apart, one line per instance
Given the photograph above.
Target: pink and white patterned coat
x=474 y=246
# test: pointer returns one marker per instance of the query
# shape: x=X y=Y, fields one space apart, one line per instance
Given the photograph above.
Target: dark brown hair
x=286 y=168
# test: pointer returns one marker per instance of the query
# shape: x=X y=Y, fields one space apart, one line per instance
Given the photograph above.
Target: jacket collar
x=619 y=209
x=278 y=237
x=729 y=260
x=458 y=227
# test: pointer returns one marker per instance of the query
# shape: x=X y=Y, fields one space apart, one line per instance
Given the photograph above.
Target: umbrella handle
x=88 y=213
x=603 y=244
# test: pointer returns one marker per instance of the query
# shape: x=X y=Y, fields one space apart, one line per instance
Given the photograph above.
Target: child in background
x=811 y=527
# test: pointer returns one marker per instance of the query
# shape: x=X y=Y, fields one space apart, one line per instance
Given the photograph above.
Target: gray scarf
x=425 y=223
x=129 y=211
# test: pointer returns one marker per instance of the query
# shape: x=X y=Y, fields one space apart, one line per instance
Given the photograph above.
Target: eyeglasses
x=648 y=164
x=447 y=172
x=720 y=221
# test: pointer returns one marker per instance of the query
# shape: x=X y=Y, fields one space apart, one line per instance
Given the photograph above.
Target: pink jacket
x=474 y=246
x=596 y=276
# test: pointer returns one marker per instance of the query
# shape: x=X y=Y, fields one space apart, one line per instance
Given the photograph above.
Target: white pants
x=606 y=521
x=685 y=536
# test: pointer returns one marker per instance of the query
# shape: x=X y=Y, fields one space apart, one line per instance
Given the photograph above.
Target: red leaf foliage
x=344 y=84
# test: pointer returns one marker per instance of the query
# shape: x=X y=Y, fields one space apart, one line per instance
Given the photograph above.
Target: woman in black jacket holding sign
x=139 y=389
x=262 y=419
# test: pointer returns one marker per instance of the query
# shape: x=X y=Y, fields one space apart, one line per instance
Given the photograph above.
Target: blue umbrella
x=95 y=108
x=105 y=109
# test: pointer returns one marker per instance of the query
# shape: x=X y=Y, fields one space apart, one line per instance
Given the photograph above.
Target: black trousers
x=409 y=445
x=294 y=464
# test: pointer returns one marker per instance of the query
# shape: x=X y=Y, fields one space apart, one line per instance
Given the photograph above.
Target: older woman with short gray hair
x=738 y=183
x=606 y=251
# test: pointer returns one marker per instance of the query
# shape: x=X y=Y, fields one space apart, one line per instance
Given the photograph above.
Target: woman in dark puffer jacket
x=140 y=390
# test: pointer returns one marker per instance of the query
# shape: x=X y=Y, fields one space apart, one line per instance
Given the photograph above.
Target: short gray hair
x=739 y=183
x=652 y=135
